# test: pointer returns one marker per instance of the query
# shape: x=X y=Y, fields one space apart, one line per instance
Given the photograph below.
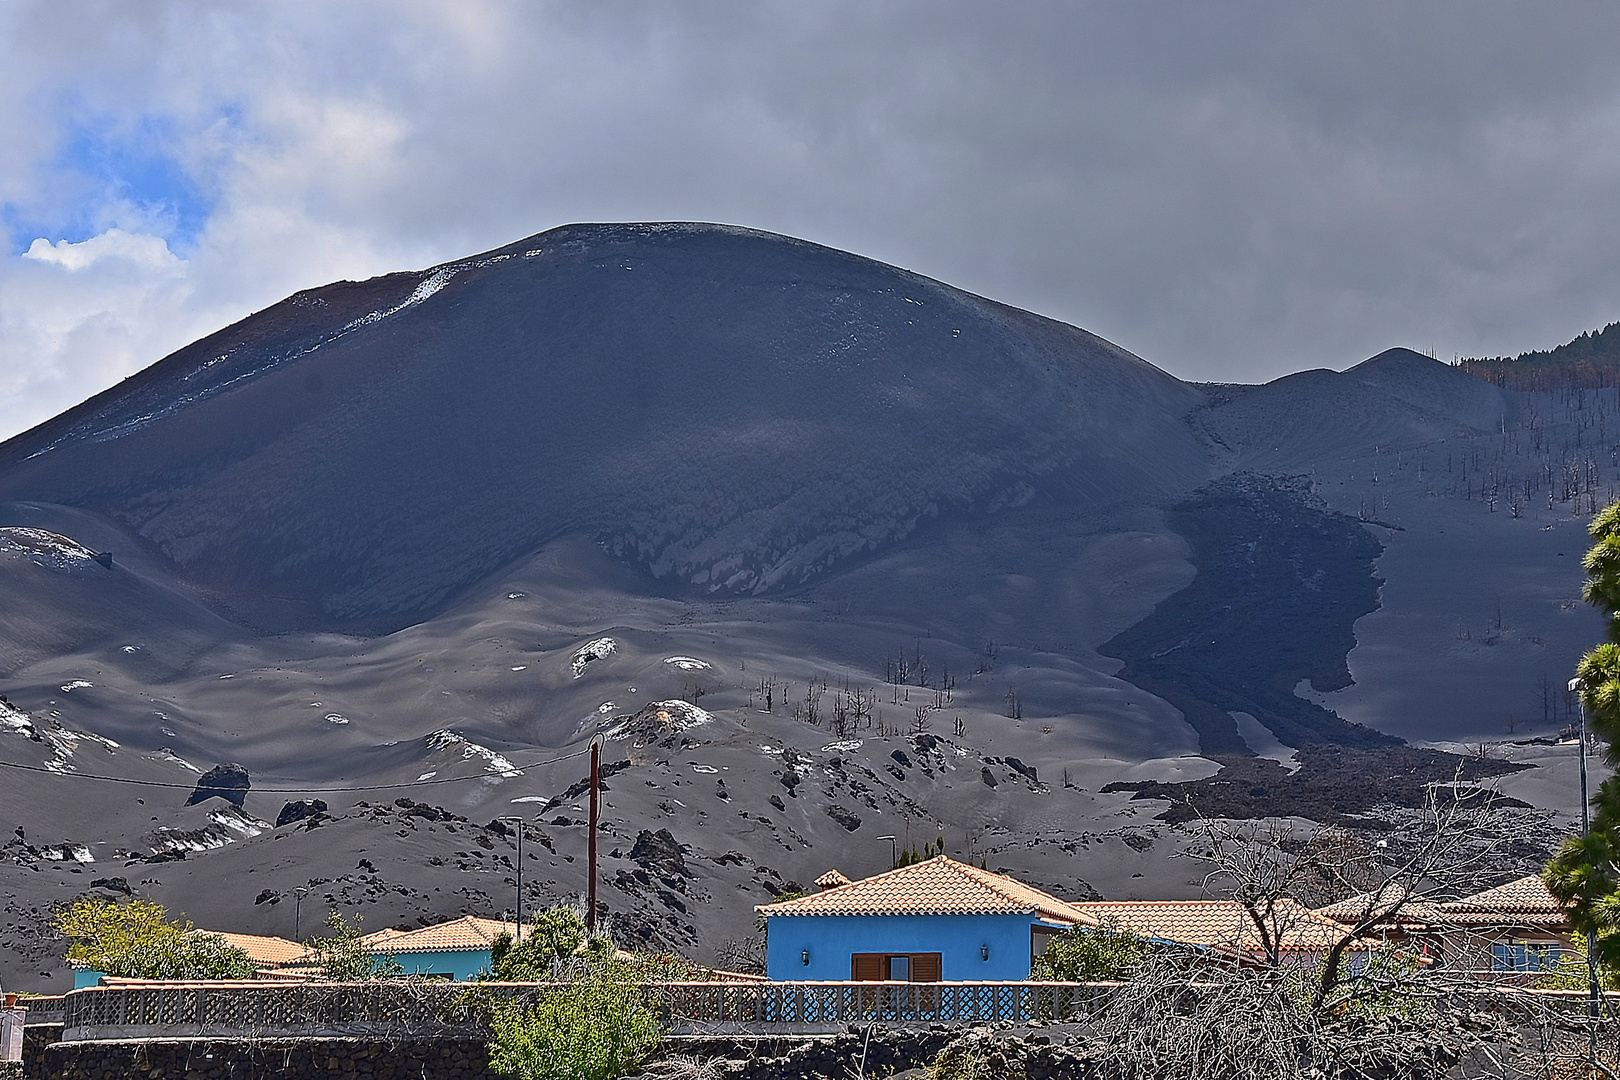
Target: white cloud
x=75 y=318
x=1231 y=194
x=147 y=253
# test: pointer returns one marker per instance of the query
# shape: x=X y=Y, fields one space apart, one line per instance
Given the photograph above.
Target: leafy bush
x=556 y=938
x=598 y=1028
x=344 y=957
x=953 y=1063
x=136 y=940
x=1105 y=954
x=1571 y=973
x=911 y=856
x=1388 y=983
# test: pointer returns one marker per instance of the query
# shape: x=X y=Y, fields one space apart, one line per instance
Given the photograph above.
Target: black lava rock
x=844 y=817
x=1027 y=771
x=228 y=782
x=299 y=809
x=661 y=852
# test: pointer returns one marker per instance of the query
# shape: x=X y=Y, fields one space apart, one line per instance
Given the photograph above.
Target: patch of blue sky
x=123 y=175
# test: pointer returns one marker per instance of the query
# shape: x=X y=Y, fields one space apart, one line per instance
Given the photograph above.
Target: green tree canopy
x=1585 y=873
x=1107 y=953
x=136 y=940
x=596 y=1028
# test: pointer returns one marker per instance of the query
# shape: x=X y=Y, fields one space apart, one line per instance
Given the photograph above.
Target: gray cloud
x=1232 y=191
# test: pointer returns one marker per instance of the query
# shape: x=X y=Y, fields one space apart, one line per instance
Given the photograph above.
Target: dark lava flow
x=1279 y=588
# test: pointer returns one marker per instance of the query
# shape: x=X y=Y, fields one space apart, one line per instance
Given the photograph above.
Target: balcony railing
x=435 y=1008
x=193 y=1010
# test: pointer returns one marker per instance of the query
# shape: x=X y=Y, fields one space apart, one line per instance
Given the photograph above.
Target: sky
x=1232 y=191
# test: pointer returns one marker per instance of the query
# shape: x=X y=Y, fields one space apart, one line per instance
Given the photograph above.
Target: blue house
x=928 y=922
x=458 y=949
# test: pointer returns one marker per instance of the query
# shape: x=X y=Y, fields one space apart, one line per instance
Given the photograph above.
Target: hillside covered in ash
x=729 y=411
x=827 y=551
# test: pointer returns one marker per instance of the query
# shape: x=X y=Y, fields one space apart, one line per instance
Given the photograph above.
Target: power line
x=283 y=790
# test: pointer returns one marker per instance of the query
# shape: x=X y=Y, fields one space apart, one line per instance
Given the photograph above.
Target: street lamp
x=298 y=904
x=519 y=822
x=1592 y=990
x=894 y=850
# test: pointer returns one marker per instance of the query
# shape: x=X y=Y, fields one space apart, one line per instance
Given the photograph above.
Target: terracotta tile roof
x=466 y=933
x=271 y=951
x=1414 y=911
x=831 y=880
x=1219 y=924
x=939 y=886
x=1528 y=895
x=1521 y=902
x=1517 y=902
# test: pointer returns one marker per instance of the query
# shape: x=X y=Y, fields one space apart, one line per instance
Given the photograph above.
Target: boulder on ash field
x=225 y=781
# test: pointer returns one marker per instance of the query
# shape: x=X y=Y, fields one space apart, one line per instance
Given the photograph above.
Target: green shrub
x=1571 y=973
x=136 y=940
x=344 y=957
x=1104 y=954
x=1390 y=983
x=556 y=938
x=953 y=1063
x=598 y=1028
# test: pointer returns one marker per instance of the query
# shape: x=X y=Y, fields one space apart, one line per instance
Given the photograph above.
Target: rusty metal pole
x=590 y=859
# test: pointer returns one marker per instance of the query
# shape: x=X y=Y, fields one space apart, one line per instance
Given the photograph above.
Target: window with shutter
x=926 y=967
x=868 y=967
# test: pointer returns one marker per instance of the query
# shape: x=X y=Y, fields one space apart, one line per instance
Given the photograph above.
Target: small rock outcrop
x=227 y=781
x=660 y=852
x=299 y=809
x=847 y=818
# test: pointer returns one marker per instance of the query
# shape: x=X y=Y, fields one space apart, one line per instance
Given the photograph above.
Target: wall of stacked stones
x=885 y=1051
x=269 y=1059
x=36 y=1038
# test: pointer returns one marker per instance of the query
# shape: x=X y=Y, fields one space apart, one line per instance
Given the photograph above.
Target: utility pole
x=590 y=855
x=519 y=909
x=298 y=910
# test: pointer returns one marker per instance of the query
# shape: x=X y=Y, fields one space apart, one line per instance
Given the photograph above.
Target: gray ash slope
x=732 y=410
x=367 y=536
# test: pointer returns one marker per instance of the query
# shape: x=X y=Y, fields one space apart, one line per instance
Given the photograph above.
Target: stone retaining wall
x=269 y=1059
x=36 y=1037
x=886 y=1051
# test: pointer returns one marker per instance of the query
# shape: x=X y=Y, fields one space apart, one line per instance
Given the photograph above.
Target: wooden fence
x=192 y=1010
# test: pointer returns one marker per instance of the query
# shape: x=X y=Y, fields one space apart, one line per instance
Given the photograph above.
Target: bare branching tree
x=1286 y=879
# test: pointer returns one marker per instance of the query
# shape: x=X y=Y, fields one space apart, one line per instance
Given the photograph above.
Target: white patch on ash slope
x=168 y=755
x=445 y=739
x=598 y=649
x=664 y=716
x=46 y=548
x=62 y=742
